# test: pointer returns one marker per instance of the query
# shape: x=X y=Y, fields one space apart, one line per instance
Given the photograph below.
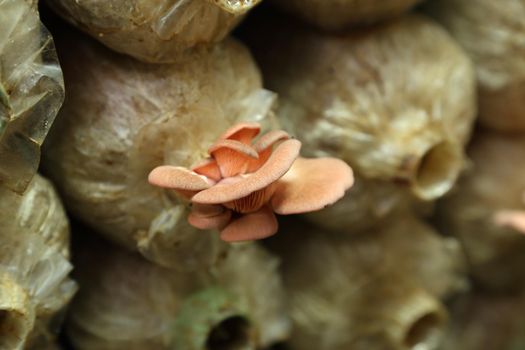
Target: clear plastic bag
x=154 y=31
x=34 y=266
x=31 y=91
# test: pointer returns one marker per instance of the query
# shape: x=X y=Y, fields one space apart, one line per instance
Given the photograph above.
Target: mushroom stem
x=16 y=314
x=436 y=170
x=212 y=319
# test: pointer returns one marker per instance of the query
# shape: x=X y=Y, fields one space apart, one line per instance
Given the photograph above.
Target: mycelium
x=487 y=209
x=396 y=102
x=31 y=91
x=493 y=34
x=34 y=266
x=154 y=30
x=122 y=118
x=379 y=290
x=336 y=15
x=240 y=186
x=129 y=303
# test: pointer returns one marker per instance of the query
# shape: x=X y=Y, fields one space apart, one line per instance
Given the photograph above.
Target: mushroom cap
x=251 y=226
x=277 y=165
x=311 y=184
x=179 y=178
x=243 y=132
x=233 y=157
x=217 y=221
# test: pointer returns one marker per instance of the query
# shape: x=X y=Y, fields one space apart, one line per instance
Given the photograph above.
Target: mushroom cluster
x=122 y=118
x=238 y=189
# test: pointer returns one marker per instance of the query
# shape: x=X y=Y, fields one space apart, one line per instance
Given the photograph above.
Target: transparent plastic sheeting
x=31 y=90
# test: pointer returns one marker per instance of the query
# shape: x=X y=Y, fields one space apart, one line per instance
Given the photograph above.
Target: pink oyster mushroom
x=514 y=219
x=240 y=186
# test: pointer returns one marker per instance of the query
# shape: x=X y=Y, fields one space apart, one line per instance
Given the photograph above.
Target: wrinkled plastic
x=158 y=30
x=379 y=290
x=130 y=303
x=31 y=91
x=122 y=118
x=34 y=266
x=495 y=182
x=396 y=102
x=493 y=34
x=338 y=14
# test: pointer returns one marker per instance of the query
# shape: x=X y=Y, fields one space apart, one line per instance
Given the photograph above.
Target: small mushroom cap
x=270 y=138
x=251 y=226
x=178 y=178
x=277 y=165
x=514 y=219
x=264 y=147
x=243 y=132
x=311 y=184
x=232 y=156
x=208 y=168
x=234 y=146
x=210 y=222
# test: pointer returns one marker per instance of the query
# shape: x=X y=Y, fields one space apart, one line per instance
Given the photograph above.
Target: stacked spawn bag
x=493 y=34
x=34 y=232
x=397 y=101
x=120 y=120
x=380 y=289
x=487 y=209
x=493 y=37
x=155 y=31
x=472 y=326
x=494 y=184
x=130 y=303
x=34 y=267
